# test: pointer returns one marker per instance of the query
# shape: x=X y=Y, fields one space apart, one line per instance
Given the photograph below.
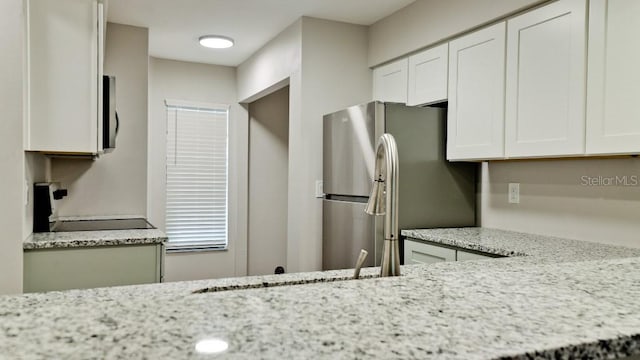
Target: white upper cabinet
x=64 y=48
x=428 y=76
x=545 y=81
x=475 y=125
x=390 y=82
x=613 y=93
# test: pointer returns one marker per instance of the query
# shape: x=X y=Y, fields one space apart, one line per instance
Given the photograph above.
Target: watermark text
x=621 y=180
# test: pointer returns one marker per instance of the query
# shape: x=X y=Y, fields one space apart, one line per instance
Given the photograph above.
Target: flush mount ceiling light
x=216 y=41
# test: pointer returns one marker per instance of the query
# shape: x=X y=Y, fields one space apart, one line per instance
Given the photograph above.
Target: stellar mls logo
x=623 y=180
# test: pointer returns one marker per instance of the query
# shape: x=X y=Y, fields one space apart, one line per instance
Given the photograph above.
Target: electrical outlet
x=514 y=193
x=319 y=189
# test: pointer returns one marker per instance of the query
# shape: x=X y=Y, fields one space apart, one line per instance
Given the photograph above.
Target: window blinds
x=197 y=177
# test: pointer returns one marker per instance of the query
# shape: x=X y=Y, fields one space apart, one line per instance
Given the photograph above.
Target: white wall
x=11 y=145
x=268 y=185
x=426 y=22
x=330 y=52
x=271 y=66
x=275 y=65
x=116 y=183
x=334 y=76
x=179 y=80
x=554 y=199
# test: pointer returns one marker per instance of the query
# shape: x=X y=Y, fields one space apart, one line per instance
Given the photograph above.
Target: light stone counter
x=580 y=303
x=511 y=243
x=74 y=239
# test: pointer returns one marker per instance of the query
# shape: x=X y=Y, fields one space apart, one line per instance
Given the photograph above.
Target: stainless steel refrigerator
x=432 y=191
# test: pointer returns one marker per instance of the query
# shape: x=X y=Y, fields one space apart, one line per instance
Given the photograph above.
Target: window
x=197 y=176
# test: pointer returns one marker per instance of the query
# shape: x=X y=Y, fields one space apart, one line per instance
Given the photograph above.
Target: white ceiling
x=175 y=25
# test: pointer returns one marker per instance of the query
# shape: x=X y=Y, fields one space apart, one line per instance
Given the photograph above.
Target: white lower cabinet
x=91 y=267
x=418 y=252
x=613 y=114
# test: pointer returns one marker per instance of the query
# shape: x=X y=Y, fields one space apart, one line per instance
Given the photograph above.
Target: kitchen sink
x=276 y=283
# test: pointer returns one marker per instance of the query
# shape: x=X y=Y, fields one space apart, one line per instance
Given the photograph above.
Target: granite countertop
x=511 y=243
x=72 y=239
x=580 y=303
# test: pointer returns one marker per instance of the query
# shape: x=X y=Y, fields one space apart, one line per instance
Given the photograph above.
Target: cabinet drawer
x=421 y=253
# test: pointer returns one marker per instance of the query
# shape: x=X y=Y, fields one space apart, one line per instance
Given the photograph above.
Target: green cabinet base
x=90 y=267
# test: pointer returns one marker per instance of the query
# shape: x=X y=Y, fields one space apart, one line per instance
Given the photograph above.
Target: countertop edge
x=414 y=234
x=66 y=244
x=86 y=239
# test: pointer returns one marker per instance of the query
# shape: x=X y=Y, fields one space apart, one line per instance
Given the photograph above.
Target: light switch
x=514 y=193
x=319 y=189
x=26 y=193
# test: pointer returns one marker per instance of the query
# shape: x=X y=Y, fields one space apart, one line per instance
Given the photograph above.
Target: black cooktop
x=103 y=224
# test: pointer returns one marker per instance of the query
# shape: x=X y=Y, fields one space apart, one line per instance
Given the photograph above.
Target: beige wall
x=271 y=66
x=426 y=22
x=12 y=185
x=178 y=80
x=116 y=183
x=268 y=186
x=554 y=199
x=330 y=52
x=275 y=65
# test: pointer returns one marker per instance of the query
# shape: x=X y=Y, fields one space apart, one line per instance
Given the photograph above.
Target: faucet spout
x=384 y=201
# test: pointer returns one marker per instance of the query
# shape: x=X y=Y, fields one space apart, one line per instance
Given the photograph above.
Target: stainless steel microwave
x=110 y=120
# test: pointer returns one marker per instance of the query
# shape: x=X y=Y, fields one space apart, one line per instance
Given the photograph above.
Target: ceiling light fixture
x=216 y=41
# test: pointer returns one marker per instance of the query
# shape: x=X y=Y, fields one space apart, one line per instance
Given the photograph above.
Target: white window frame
x=199 y=245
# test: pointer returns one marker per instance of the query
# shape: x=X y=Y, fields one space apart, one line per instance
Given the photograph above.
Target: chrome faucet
x=384 y=201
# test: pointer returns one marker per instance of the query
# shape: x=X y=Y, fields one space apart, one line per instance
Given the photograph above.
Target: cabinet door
x=420 y=253
x=464 y=256
x=545 y=84
x=475 y=127
x=613 y=114
x=62 y=58
x=390 y=82
x=428 y=76
x=82 y=268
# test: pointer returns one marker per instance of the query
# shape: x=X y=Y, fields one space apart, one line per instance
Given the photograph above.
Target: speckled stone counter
x=511 y=243
x=73 y=239
x=538 y=305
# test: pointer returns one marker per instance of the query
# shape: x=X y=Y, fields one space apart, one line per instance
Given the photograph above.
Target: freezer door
x=346 y=230
x=348 y=149
x=432 y=191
